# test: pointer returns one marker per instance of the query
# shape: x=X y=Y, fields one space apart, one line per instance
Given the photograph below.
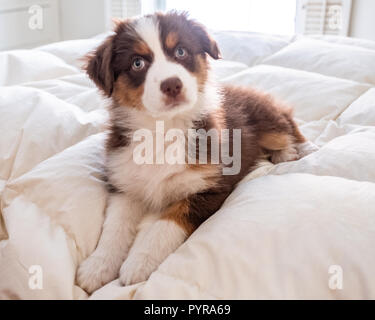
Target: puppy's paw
x=95 y=272
x=137 y=268
x=306 y=148
x=289 y=154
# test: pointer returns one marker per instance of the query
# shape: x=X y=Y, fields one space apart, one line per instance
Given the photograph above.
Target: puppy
x=155 y=71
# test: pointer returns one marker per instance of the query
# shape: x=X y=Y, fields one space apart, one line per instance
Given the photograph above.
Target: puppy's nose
x=171 y=87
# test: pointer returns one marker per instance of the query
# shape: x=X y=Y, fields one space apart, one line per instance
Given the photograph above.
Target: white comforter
x=303 y=229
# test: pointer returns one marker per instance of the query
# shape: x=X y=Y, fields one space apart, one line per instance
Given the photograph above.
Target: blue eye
x=138 y=64
x=180 y=53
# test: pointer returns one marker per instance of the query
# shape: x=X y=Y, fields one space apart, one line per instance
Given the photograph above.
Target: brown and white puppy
x=155 y=68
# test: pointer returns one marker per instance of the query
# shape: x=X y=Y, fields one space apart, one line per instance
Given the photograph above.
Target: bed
x=297 y=230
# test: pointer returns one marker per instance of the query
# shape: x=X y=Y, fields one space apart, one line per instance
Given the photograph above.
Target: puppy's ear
x=209 y=45
x=99 y=66
x=212 y=48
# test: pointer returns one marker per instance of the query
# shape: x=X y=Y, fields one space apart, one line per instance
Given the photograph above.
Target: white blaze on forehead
x=148 y=29
x=161 y=69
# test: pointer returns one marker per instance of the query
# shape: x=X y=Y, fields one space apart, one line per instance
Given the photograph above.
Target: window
x=267 y=16
x=283 y=17
x=125 y=8
x=330 y=17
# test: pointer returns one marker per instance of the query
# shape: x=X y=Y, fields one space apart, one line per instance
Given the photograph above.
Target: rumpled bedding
x=296 y=230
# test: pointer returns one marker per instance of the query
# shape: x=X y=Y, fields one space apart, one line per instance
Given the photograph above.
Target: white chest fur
x=156 y=184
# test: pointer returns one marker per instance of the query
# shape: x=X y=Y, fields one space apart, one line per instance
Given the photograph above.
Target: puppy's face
x=156 y=63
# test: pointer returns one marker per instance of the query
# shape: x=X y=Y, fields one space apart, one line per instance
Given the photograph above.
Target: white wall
x=82 y=18
x=23 y=24
x=363 y=19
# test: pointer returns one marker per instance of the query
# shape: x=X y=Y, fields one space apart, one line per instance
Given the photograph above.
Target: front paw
x=95 y=272
x=304 y=149
x=285 y=155
x=137 y=268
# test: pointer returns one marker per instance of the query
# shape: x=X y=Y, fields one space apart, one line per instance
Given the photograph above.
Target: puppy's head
x=156 y=63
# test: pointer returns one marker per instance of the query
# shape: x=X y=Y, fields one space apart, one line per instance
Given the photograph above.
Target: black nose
x=171 y=87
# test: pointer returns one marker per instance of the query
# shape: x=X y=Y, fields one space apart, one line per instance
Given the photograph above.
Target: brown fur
x=274 y=141
x=179 y=212
x=265 y=126
x=190 y=34
x=171 y=40
x=125 y=94
x=141 y=48
x=113 y=59
x=99 y=66
x=118 y=137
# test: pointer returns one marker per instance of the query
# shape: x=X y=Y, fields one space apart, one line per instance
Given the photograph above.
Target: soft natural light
x=267 y=16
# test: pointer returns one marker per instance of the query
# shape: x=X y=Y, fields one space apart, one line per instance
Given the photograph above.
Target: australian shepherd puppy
x=155 y=71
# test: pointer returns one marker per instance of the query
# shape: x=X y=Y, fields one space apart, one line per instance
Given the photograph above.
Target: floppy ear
x=209 y=45
x=212 y=48
x=99 y=66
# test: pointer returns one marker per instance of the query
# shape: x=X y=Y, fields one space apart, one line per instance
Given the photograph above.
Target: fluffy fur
x=156 y=68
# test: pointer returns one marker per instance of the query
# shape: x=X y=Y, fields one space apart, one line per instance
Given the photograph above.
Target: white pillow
x=313 y=96
x=246 y=47
x=343 y=61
